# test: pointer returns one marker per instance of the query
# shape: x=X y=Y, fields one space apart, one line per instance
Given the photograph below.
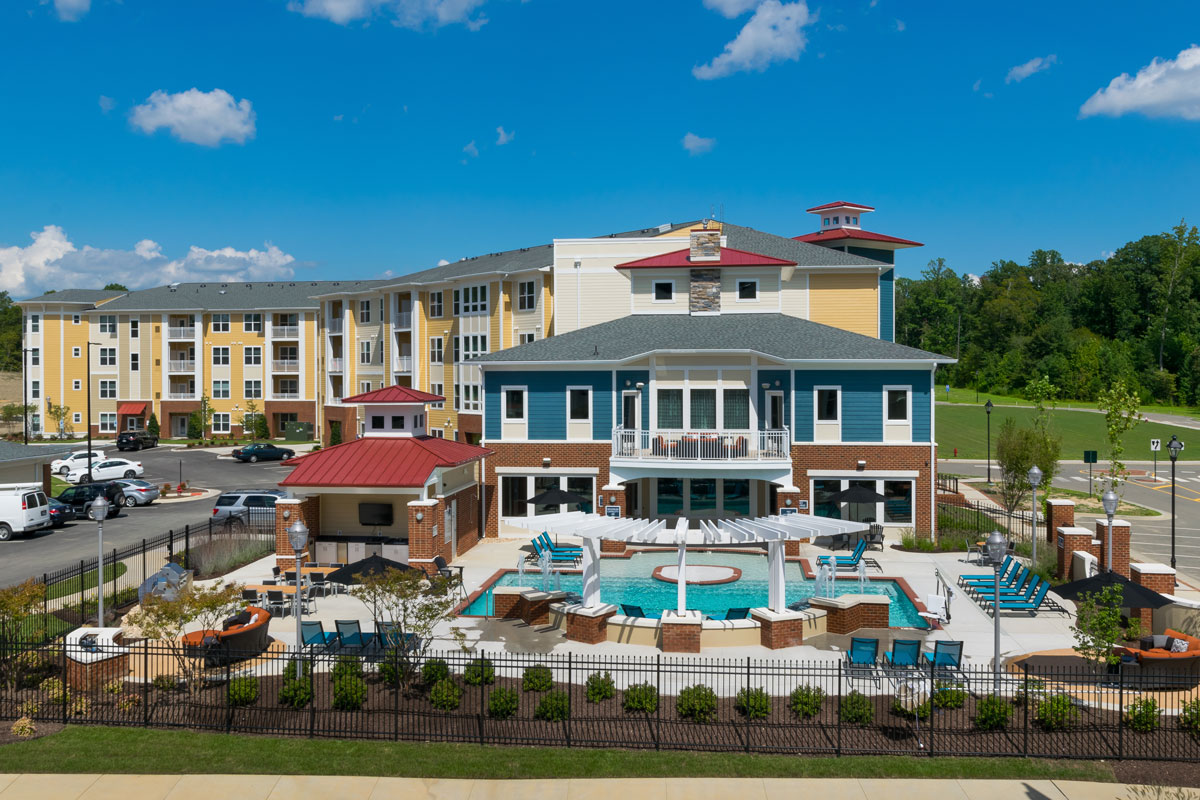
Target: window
x=704 y=409
x=526 y=299
x=457 y=357
x=827 y=222
x=252 y=323
x=220 y=423
x=364 y=352
x=377 y=422
x=75 y=352
x=513 y=493
x=579 y=403
x=75 y=319
x=828 y=405
x=670 y=409
x=514 y=405
x=897 y=502
x=435 y=304
x=220 y=356
x=220 y=390
x=108 y=422
x=472 y=346
x=664 y=291
x=364 y=312
x=35 y=357
x=855 y=222
x=108 y=356
x=896 y=403
x=252 y=390
x=252 y=356
x=220 y=324
x=835 y=220
x=134 y=362
x=288 y=386
x=35 y=323
x=440 y=391
x=108 y=390
x=438 y=433
x=35 y=389
x=76 y=385
x=474 y=300
x=526 y=338
x=77 y=418
x=736 y=415
x=466 y=397
x=381 y=309
x=747 y=290
x=670 y=496
x=108 y=323
x=397 y=422
x=435 y=350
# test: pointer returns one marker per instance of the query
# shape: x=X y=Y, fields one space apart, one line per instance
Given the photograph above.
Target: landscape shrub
x=243 y=691
x=349 y=692
x=1143 y=714
x=1031 y=693
x=115 y=686
x=393 y=669
x=480 y=672
x=79 y=706
x=503 y=703
x=992 y=713
x=296 y=692
x=165 y=683
x=29 y=708
x=23 y=728
x=857 y=709
x=1189 y=716
x=920 y=711
x=753 y=703
x=128 y=703
x=346 y=667
x=537 y=678
x=640 y=698
x=434 y=671
x=554 y=707
x=600 y=687
x=445 y=695
x=53 y=690
x=805 y=701
x=949 y=695
x=697 y=703
x=1055 y=713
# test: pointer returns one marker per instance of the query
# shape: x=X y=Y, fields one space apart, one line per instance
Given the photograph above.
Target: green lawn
x=57 y=485
x=65 y=588
x=968 y=396
x=965 y=427
x=125 y=750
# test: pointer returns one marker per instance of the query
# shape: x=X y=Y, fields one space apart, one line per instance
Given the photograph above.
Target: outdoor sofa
x=1160 y=665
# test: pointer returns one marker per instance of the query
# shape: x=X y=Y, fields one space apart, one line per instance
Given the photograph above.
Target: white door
x=774 y=411
x=452 y=528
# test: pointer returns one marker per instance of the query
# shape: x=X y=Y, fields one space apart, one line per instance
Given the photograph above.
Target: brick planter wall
x=848 y=613
x=779 y=630
x=609 y=546
x=1069 y=540
x=506 y=601
x=588 y=626
x=681 y=634
x=534 y=606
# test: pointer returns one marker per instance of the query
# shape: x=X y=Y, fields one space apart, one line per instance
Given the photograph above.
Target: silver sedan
x=137 y=492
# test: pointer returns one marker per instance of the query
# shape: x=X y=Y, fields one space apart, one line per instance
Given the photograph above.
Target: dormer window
x=664 y=291
x=827 y=222
x=855 y=222
x=377 y=422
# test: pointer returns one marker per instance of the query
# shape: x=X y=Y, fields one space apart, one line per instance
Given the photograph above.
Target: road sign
x=1156 y=445
x=1089 y=456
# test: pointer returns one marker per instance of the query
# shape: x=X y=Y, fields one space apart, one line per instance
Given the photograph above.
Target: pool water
x=629 y=581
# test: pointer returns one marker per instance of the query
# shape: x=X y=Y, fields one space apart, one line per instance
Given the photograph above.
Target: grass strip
x=125 y=750
x=70 y=587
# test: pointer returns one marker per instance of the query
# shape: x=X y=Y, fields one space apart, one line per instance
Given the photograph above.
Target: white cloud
x=107 y=104
x=730 y=8
x=697 y=145
x=1167 y=88
x=900 y=26
x=205 y=118
x=774 y=33
x=71 y=10
x=504 y=137
x=471 y=150
x=52 y=261
x=1031 y=67
x=414 y=14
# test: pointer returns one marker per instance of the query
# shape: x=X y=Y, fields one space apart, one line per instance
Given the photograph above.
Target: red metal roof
x=840 y=204
x=378 y=461
x=729 y=258
x=395 y=394
x=132 y=409
x=837 y=234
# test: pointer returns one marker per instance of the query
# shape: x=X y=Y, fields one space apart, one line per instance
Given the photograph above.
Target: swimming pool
x=628 y=581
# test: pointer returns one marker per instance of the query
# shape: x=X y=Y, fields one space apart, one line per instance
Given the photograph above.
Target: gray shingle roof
x=803 y=253
x=13 y=451
x=775 y=335
x=86 y=296
x=218 y=296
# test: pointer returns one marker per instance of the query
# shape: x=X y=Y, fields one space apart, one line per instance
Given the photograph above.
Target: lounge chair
x=350 y=636
x=737 y=613
x=447 y=571
x=555 y=558
x=861 y=659
x=1016 y=583
x=1025 y=592
x=1032 y=604
x=315 y=637
x=946 y=658
x=850 y=560
x=544 y=538
x=392 y=636
x=1006 y=571
x=633 y=611
x=904 y=655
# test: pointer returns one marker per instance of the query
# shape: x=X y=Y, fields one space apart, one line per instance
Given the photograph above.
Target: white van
x=23 y=509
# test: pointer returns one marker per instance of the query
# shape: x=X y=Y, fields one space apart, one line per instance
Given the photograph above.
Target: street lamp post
x=98 y=510
x=996 y=547
x=1109 y=500
x=988 y=408
x=298 y=537
x=1035 y=478
x=1173 y=446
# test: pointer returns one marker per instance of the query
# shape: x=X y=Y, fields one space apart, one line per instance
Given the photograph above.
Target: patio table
x=263 y=589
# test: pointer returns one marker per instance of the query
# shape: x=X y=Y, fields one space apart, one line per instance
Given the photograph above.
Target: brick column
x=589 y=625
x=506 y=601
x=287 y=511
x=849 y=612
x=423 y=532
x=614 y=495
x=681 y=632
x=1157 y=578
x=1120 y=545
x=1059 y=514
x=1071 y=539
x=780 y=629
x=534 y=606
x=782 y=496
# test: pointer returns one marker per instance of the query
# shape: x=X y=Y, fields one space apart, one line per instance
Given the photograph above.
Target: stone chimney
x=704 y=291
x=705 y=245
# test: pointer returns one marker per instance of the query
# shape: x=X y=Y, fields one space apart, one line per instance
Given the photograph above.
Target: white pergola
x=772 y=530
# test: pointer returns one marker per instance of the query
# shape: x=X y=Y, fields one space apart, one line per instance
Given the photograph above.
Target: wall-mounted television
x=375 y=514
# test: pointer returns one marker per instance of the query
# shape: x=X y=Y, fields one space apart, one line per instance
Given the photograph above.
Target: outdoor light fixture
x=420 y=516
x=287 y=512
x=766 y=385
x=1174 y=446
x=997 y=546
x=640 y=385
x=1035 y=479
x=98 y=510
x=988 y=408
x=612 y=499
x=298 y=538
x=1109 y=500
x=862 y=464
x=787 y=502
x=546 y=461
x=628 y=382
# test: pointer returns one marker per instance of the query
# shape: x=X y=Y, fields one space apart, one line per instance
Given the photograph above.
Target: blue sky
x=350 y=138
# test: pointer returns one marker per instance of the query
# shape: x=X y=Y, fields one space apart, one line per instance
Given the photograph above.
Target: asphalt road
x=1150 y=536
x=49 y=550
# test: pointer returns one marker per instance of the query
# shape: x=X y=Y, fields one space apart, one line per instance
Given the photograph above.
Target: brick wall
x=1059 y=514
x=307 y=509
x=305 y=411
x=1070 y=540
x=680 y=637
x=858 y=615
x=527 y=455
x=1157 y=578
x=421 y=546
x=776 y=634
x=347 y=416
x=1120 y=545
x=588 y=628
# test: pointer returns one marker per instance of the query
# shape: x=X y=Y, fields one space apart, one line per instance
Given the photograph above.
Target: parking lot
x=54 y=548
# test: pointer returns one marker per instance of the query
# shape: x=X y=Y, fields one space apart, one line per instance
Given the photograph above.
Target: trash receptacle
x=298 y=432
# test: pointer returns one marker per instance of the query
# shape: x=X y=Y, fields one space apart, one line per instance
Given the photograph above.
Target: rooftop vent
x=666 y=226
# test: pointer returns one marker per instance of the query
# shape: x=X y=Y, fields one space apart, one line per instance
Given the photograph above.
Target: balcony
x=701 y=445
x=334 y=327
x=285 y=331
x=181 y=365
x=182 y=332
x=285 y=396
x=402 y=364
x=335 y=365
x=403 y=320
x=285 y=365
x=181 y=394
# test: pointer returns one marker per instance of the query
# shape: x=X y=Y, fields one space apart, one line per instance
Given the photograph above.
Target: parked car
x=135 y=440
x=248 y=508
x=80 y=498
x=60 y=512
x=66 y=464
x=138 y=492
x=263 y=451
x=24 y=508
x=108 y=470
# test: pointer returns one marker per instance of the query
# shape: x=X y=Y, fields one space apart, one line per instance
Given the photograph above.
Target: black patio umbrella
x=856 y=494
x=371 y=565
x=556 y=497
x=1132 y=595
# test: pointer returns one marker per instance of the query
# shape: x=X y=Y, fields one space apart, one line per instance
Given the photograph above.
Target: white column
x=776 y=582
x=681 y=580
x=591 y=572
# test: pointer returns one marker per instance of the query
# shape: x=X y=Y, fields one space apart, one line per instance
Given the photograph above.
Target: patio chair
x=317 y=581
x=315 y=637
x=311 y=564
x=633 y=611
x=447 y=571
x=350 y=636
x=861 y=659
x=1006 y=570
x=289 y=577
x=849 y=561
x=946 y=659
x=277 y=602
x=544 y=538
x=392 y=636
x=874 y=537
x=904 y=655
x=269 y=582
x=275 y=572
x=555 y=558
x=250 y=596
x=1032 y=604
x=308 y=598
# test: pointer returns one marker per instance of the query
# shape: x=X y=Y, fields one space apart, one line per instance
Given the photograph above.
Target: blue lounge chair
x=861 y=659
x=1006 y=579
x=392 y=636
x=1006 y=570
x=315 y=637
x=904 y=655
x=632 y=611
x=1011 y=595
x=555 y=558
x=946 y=658
x=848 y=561
x=1016 y=585
x=350 y=636
x=544 y=538
x=737 y=613
x=1032 y=605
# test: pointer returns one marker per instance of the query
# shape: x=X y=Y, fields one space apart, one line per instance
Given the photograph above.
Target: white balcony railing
x=181 y=333
x=181 y=394
x=285 y=331
x=404 y=320
x=334 y=327
x=701 y=445
x=285 y=396
x=180 y=365
x=335 y=365
x=285 y=365
x=402 y=364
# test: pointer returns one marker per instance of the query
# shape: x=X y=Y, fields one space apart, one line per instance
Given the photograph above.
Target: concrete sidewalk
x=276 y=787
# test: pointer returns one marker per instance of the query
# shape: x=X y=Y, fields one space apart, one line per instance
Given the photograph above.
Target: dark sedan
x=263 y=451
x=60 y=513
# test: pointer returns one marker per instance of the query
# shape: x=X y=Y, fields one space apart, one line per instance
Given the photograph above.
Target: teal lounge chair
x=350 y=636
x=544 y=538
x=1006 y=571
x=1014 y=586
x=1006 y=579
x=633 y=611
x=861 y=659
x=845 y=561
x=555 y=557
x=904 y=655
x=1013 y=596
x=315 y=637
x=392 y=636
x=946 y=658
x=1033 y=604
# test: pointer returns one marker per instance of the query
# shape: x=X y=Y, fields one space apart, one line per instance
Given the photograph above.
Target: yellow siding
x=845 y=300
x=713 y=225
x=548 y=305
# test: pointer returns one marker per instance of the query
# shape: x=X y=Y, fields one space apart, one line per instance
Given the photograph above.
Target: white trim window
x=252 y=323
x=108 y=422
x=897 y=405
x=35 y=357
x=364 y=352
x=35 y=323
x=108 y=323
x=440 y=390
x=135 y=330
x=77 y=418
x=221 y=422
x=364 y=387
x=252 y=356
x=76 y=385
x=436 y=309
x=662 y=292
x=747 y=290
x=35 y=389
x=134 y=362
x=526 y=295
x=515 y=403
x=827 y=413
x=76 y=352
x=220 y=323
x=108 y=356
x=75 y=319
x=108 y=390
x=220 y=390
x=220 y=356
x=579 y=404
x=526 y=338
x=436 y=353
x=471 y=300
x=252 y=389
x=364 y=312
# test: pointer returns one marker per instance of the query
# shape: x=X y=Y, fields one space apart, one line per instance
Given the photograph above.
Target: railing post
x=839 y=710
x=570 y=675
x=1120 y=712
x=145 y=683
x=228 y=705
x=114 y=597
x=187 y=545
x=748 y=727
x=170 y=544
x=64 y=676
x=659 y=699
x=1025 y=707
x=82 y=593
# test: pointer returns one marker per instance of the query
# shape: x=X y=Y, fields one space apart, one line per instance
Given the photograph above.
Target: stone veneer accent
x=704 y=291
x=307 y=509
x=681 y=632
x=849 y=612
x=780 y=629
x=589 y=625
x=1157 y=578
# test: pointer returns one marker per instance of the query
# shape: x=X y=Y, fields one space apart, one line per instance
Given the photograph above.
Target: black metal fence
x=970 y=518
x=70 y=593
x=574 y=700
x=947 y=483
